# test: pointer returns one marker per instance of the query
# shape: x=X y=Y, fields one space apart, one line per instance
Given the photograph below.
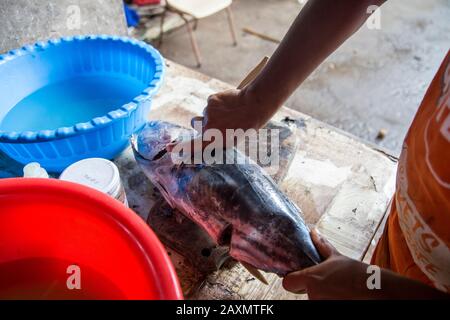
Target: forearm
x=320 y=28
x=394 y=286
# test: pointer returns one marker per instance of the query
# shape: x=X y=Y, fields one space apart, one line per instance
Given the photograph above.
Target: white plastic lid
x=97 y=173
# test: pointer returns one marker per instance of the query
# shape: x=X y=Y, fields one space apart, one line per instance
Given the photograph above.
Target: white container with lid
x=34 y=170
x=97 y=173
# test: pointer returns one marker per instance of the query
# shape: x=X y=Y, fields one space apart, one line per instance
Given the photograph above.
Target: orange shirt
x=416 y=238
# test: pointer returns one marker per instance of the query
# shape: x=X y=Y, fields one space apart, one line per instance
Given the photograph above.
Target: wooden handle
x=254 y=73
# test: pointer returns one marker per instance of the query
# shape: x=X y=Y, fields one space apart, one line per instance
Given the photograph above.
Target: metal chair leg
x=193 y=41
x=195 y=24
x=161 y=28
x=231 y=23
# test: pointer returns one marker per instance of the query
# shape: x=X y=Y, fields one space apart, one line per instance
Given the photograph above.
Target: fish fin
x=255 y=272
x=165 y=194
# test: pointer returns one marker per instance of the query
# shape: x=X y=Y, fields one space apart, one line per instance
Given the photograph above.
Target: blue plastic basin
x=73 y=98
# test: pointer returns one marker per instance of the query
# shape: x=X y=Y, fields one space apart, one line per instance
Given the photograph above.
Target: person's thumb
x=295 y=282
x=322 y=245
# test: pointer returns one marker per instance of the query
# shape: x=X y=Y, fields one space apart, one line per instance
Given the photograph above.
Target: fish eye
x=206 y=252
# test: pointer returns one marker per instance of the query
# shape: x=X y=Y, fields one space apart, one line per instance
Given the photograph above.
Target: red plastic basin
x=60 y=240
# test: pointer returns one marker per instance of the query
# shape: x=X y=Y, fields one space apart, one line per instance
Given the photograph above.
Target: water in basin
x=69 y=102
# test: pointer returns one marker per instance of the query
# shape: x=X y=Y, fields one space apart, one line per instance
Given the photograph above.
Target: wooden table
x=342 y=184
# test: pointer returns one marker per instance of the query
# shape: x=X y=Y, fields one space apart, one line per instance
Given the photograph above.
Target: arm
x=339 y=277
x=320 y=28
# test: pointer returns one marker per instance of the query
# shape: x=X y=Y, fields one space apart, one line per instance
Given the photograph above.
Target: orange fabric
x=416 y=239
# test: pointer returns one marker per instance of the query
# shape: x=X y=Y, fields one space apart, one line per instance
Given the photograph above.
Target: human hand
x=230 y=109
x=233 y=109
x=337 y=277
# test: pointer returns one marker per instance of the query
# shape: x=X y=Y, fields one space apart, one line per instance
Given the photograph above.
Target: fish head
x=150 y=151
x=150 y=142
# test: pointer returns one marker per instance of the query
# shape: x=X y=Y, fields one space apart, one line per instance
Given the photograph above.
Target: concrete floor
x=375 y=81
x=27 y=21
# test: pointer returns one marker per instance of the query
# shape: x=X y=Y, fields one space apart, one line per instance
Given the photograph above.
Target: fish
x=238 y=205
